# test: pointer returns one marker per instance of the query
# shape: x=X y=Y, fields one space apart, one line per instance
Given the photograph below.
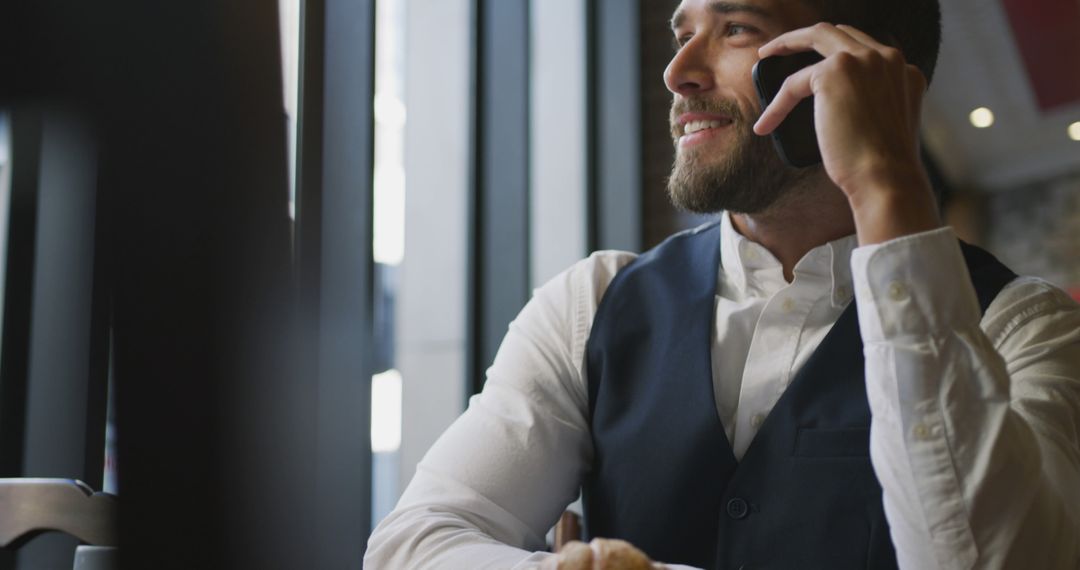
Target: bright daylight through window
x=5 y=195
x=388 y=248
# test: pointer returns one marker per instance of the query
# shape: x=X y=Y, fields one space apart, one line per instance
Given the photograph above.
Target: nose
x=688 y=73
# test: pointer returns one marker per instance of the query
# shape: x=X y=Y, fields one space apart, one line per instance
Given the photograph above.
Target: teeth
x=696 y=126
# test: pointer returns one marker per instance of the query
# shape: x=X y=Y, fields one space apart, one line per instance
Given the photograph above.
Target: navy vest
x=664 y=476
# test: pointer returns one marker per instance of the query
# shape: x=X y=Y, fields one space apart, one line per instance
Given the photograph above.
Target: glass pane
x=388 y=249
x=289 y=11
x=5 y=200
x=110 y=482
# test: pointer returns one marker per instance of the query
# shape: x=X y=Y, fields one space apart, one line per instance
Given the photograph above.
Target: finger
x=796 y=87
x=861 y=37
x=889 y=53
x=575 y=555
x=615 y=553
x=917 y=80
x=823 y=38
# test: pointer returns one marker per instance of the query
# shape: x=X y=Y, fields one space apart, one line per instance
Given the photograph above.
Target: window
x=289 y=11
x=5 y=196
x=388 y=250
x=388 y=217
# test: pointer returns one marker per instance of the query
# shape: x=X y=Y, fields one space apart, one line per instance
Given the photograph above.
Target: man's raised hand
x=867 y=107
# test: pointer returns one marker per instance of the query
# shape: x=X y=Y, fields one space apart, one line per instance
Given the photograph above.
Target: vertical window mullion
x=334 y=256
x=557 y=148
x=18 y=287
x=59 y=399
x=502 y=278
x=434 y=299
x=615 y=108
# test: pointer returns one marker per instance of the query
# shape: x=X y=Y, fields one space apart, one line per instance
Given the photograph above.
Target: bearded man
x=825 y=377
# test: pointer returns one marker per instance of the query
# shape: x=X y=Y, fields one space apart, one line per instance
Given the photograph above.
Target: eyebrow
x=722 y=7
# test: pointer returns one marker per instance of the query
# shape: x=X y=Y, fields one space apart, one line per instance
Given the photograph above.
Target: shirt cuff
x=913 y=285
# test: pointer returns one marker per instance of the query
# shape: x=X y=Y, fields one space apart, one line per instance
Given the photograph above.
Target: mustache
x=682 y=106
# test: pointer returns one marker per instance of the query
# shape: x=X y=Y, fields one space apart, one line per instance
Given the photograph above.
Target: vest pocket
x=832 y=442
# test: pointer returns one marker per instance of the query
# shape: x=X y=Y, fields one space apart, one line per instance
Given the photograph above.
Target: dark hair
x=912 y=26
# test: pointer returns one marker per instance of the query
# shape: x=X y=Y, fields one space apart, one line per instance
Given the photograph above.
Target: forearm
x=894 y=203
x=450 y=533
x=487 y=492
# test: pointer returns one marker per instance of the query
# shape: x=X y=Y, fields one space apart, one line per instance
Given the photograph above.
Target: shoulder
x=1029 y=308
x=577 y=292
x=584 y=283
x=560 y=314
x=597 y=271
x=676 y=255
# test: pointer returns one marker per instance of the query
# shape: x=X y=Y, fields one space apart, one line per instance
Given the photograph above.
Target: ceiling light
x=1074 y=131
x=982 y=117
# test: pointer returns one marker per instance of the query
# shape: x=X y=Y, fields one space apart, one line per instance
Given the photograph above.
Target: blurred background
x=256 y=257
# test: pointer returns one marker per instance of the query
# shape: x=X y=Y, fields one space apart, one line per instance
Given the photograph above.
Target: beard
x=749 y=179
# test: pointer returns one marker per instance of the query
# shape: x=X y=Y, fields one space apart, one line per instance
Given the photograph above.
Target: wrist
x=886 y=176
x=893 y=204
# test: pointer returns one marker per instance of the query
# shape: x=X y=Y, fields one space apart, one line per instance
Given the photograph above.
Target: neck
x=802 y=220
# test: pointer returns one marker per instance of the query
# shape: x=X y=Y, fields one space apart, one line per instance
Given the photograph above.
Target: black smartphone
x=795 y=139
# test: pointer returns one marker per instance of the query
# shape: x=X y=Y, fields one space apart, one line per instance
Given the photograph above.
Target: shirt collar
x=754 y=271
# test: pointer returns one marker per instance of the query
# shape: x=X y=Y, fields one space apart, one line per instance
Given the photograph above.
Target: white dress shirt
x=975 y=435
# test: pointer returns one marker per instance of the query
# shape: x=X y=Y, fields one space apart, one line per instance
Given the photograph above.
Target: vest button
x=737 y=508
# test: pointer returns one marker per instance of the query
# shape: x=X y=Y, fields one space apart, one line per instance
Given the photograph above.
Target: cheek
x=738 y=76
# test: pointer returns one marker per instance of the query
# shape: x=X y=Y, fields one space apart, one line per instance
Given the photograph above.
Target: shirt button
x=897 y=291
x=750 y=254
x=737 y=508
x=843 y=293
x=921 y=432
x=788 y=305
x=757 y=420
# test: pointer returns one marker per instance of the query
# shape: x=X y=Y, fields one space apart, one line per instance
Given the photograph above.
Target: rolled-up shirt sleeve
x=489 y=489
x=975 y=435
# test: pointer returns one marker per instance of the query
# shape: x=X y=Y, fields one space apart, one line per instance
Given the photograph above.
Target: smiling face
x=720 y=164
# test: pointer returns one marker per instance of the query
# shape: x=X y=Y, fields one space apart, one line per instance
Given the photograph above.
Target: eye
x=738 y=29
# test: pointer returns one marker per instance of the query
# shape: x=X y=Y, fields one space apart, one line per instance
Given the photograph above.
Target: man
x=823 y=378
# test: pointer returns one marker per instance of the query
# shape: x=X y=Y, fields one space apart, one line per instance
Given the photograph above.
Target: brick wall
x=1035 y=229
